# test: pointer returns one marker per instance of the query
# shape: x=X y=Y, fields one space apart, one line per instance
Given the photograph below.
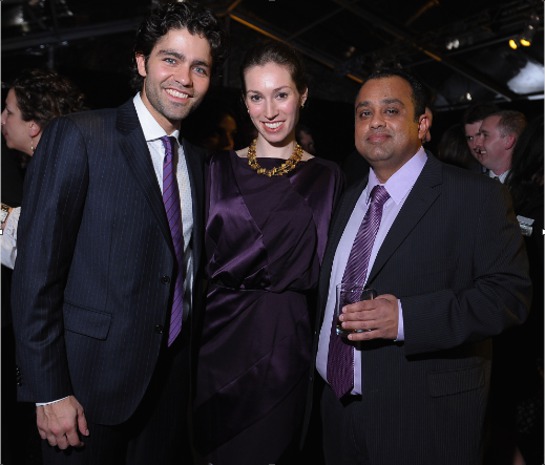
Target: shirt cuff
x=400 y=328
x=41 y=404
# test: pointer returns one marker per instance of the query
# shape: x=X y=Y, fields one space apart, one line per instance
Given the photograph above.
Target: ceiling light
x=526 y=36
x=349 y=51
x=453 y=44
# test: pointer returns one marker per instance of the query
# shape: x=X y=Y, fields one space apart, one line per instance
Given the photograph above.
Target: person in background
x=222 y=137
x=453 y=149
x=212 y=126
x=516 y=407
x=525 y=182
x=472 y=119
x=105 y=287
x=304 y=137
x=496 y=141
x=442 y=249
x=36 y=97
x=268 y=211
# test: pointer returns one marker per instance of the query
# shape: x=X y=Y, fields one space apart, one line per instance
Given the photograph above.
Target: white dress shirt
x=153 y=133
x=500 y=177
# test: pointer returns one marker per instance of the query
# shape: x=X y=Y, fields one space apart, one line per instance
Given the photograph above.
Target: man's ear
x=510 y=141
x=141 y=64
x=424 y=125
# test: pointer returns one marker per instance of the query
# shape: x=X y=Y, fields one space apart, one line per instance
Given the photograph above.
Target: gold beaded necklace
x=284 y=168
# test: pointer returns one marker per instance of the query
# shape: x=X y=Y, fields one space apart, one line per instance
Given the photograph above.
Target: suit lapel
x=422 y=196
x=135 y=150
x=338 y=223
x=344 y=212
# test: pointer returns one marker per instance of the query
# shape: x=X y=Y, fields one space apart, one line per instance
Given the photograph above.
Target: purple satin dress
x=265 y=238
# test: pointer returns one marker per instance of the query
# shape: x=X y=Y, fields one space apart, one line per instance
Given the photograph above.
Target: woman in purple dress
x=269 y=207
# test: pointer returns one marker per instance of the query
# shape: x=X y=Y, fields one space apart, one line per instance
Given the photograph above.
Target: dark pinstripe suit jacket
x=92 y=280
x=455 y=258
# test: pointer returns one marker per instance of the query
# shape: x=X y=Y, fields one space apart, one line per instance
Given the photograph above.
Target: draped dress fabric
x=265 y=238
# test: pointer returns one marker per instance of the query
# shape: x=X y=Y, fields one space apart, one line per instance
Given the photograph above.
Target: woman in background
x=35 y=98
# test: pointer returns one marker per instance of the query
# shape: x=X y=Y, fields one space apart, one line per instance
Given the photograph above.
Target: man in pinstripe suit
x=450 y=271
x=95 y=274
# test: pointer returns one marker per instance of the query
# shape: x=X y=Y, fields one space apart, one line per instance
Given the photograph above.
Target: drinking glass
x=349 y=293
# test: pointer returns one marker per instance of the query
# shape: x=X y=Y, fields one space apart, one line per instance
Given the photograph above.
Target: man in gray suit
x=450 y=271
x=104 y=290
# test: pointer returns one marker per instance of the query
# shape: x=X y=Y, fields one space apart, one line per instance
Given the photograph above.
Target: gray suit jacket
x=93 y=278
x=455 y=258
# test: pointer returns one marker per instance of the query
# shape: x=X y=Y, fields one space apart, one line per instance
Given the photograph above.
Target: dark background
x=341 y=41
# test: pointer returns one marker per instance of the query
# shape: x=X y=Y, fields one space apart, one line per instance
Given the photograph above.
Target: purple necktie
x=171 y=199
x=340 y=361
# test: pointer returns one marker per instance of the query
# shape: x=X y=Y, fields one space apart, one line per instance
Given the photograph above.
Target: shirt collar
x=402 y=181
x=152 y=129
x=501 y=177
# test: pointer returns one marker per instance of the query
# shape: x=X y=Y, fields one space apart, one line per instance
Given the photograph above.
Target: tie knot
x=379 y=195
x=168 y=143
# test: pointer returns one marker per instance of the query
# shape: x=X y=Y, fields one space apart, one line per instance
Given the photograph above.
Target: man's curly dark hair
x=180 y=15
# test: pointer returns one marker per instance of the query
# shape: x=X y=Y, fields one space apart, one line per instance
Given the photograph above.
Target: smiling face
x=176 y=76
x=386 y=132
x=273 y=102
x=472 y=133
x=494 y=148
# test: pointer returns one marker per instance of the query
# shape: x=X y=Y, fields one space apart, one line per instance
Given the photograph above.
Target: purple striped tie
x=171 y=199
x=340 y=361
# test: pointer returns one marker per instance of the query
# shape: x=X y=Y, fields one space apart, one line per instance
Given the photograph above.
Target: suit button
x=159 y=329
x=165 y=279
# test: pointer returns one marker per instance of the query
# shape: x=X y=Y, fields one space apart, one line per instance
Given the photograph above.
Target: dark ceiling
x=459 y=48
